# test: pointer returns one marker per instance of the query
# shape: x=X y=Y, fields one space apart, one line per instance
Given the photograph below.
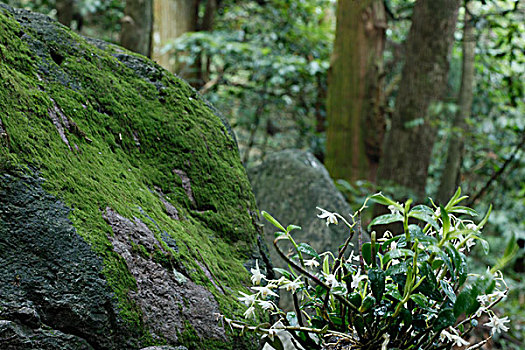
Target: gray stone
x=290 y=185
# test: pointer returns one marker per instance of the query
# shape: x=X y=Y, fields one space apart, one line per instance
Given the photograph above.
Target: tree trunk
x=409 y=142
x=64 y=12
x=355 y=91
x=171 y=19
x=452 y=170
x=137 y=26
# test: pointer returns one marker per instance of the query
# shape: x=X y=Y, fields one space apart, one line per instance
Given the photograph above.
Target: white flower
x=393 y=209
x=357 y=278
x=393 y=245
x=311 y=263
x=292 y=285
x=498 y=324
x=249 y=312
x=272 y=333
x=385 y=342
x=481 y=310
x=266 y=305
x=247 y=299
x=331 y=218
x=437 y=212
x=266 y=290
x=386 y=236
x=489 y=298
x=352 y=257
x=470 y=243
x=257 y=276
x=331 y=280
x=454 y=338
x=472 y=227
x=483 y=299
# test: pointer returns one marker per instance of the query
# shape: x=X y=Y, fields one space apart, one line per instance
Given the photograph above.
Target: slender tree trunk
x=452 y=170
x=409 y=142
x=65 y=11
x=171 y=19
x=355 y=91
x=137 y=26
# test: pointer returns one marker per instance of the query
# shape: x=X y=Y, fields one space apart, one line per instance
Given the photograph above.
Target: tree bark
x=137 y=26
x=171 y=19
x=65 y=11
x=409 y=142
x=355 y=91
x=451 y=175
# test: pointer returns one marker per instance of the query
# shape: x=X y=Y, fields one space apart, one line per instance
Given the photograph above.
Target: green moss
x=129 y=136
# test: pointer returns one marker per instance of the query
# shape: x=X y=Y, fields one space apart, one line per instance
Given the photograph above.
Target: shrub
x=407 y=290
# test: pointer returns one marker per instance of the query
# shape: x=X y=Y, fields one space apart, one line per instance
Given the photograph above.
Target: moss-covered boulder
x=126 y=218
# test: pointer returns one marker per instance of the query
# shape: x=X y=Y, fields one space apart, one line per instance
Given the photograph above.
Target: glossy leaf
x=381 y=199
x=386 y=219
x=446 y=318
x=424 y=216
x=447 y=288
x=376 y=277
x=306 y=248
x=273 y=221
x=466 y=302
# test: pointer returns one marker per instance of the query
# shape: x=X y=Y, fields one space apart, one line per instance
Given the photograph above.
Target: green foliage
x=267 y=69
x=408 y=290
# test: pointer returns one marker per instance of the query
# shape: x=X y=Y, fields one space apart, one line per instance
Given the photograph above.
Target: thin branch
x=497 y=174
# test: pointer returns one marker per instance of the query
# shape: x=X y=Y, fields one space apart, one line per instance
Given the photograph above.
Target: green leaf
x=462 y=269
x=485 y=245
x=454 y=256
x=420 y=299
x=452 y=200
x=449 y=291
x=425 y=216
x=398 y=269
x=276 y=343
x=273 y=221
x=445 y=219
x=485 y=218
x=446 y=318
x=368 y=302
x=367 y=252
x=397 y=253
x=381 y=199
x=290 y=228
x=416 y=232
x=429 y=285
x=281 y=235
x=376 y=276
x=284 y=272
x=386 y=219
x=326 y=265
x=510 y=250
x=464 y=210
x=407 y=205
x=466 y=302
x=306 y=248
x=355 y=299
x=386 y=244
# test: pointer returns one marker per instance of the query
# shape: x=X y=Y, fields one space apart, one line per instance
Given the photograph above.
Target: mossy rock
x=126 y=217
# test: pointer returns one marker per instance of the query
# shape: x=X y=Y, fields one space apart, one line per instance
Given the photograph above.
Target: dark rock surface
x=49 y=278
x=126 y=217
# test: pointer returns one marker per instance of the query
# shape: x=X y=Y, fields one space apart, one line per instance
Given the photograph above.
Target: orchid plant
x=406 y=290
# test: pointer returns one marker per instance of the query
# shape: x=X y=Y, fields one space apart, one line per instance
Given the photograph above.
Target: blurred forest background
x=413 y=98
